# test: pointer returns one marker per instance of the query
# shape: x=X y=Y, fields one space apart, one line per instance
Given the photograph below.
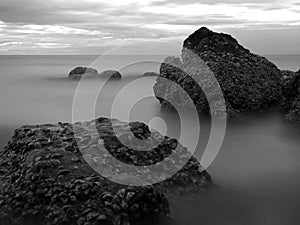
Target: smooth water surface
x=257 y=170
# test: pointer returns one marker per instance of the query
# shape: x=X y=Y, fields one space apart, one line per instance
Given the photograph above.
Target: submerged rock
x=112 y=74
x=45 y=177
x=150 y=74
x=79 y=72
x=290 y=104
x=249 y=82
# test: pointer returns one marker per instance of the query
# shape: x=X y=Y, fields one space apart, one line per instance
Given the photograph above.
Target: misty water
x=257 y=170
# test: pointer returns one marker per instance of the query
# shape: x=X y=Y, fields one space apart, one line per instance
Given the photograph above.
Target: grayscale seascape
x=257 y=169
x=149 y=112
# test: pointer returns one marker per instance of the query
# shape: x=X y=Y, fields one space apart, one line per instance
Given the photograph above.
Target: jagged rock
x=249 y=82
x=150 y=74
x=46 y=177
x=79 y=72
x=290 y=104
x=112 y=74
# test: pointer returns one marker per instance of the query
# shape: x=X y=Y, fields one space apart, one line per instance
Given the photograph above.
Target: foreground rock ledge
x=46 y=179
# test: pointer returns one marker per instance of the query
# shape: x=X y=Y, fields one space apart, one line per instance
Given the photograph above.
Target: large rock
x=290 y=104
x=249 y=82
x=45 y=177
x=79 y=72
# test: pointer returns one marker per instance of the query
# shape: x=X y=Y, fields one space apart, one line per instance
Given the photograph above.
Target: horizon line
x=298 y=54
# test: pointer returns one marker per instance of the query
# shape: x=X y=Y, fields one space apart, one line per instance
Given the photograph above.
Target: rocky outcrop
x=290 y=104
x=46 y=178
x=248 y=81
x=79 y=72
x=150 y=74
x=112 y=74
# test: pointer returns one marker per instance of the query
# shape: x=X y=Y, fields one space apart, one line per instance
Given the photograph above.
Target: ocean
x=257 y=170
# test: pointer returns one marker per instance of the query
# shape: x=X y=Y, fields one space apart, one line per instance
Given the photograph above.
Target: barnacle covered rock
x=136 y=206
x=45 y=177
x=287 y=74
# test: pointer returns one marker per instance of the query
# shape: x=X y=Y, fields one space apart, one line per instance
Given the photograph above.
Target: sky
x=96 y=26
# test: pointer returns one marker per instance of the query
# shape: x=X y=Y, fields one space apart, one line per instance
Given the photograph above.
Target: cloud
x=81 y=25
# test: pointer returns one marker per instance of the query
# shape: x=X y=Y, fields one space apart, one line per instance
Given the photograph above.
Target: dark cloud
x=29 y=11
x=51 y=12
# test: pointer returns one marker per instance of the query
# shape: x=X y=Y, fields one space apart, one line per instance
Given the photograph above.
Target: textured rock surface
x=79 y=72
x=46 y=179
x=112 y=74
x=249 y=82
x=287 y=73
x=290 y=104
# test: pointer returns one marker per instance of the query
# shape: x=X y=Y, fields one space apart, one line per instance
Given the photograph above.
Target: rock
x=79 y=72
x=45 y=176
x=112 y=74
x=249 y=82
x=287 y=73
x=137 y=206
x=150 y=74
x=290 y=104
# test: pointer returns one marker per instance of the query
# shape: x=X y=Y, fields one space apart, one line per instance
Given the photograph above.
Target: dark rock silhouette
x=79 y=72
x=46 y=178
x=290 y=104
x=249 y=82
x=112 y=74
